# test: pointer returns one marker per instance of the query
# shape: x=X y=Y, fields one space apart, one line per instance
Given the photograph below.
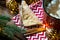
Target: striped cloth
x=37 y=8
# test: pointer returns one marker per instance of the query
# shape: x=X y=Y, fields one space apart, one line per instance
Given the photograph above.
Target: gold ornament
x=31 y=1
x=54 y=35
x=12 y=5
x=1 y=28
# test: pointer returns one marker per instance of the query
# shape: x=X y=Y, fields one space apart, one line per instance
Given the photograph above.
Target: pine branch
x=5 y=18
x=10 y=30
x=4 y=37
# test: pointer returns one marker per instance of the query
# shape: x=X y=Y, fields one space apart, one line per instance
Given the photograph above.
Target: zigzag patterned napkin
x=37 y=8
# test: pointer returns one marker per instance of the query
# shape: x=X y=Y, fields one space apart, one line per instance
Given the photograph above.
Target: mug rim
x=48 y=13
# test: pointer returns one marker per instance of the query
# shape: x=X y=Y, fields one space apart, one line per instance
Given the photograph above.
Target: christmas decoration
x=54 y=35
x=12 y=5
x=31 y=1
x=8 y=30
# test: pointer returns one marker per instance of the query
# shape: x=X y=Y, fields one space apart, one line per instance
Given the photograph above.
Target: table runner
x=37 y=8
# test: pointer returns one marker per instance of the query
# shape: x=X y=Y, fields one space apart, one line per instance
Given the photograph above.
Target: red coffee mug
x=49 y=21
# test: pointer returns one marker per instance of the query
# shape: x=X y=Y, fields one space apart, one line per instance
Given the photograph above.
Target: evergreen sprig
x=5 y=18
x=9 y=30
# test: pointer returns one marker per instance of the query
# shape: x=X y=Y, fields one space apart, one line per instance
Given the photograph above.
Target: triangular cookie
x=29 y=18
